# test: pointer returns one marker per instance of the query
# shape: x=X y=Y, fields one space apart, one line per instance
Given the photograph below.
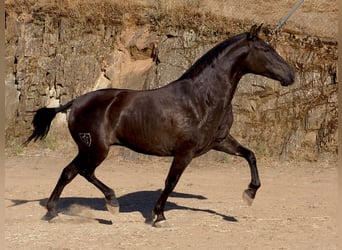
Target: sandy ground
x=294 y=209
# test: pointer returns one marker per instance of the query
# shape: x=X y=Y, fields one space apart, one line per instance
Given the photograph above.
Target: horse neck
x=223 y=74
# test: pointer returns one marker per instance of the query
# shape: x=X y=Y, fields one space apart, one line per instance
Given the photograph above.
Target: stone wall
x=52 y=59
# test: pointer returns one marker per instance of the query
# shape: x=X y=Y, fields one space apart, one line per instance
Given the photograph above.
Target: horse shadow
x=141 y=201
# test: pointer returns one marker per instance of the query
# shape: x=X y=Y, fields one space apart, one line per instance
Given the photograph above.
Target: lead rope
x=271 y=36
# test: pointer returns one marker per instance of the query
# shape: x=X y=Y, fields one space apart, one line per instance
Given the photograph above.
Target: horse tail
x=42 y=120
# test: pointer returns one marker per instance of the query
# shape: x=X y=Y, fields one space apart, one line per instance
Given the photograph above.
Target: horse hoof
x=161 y=224
x=113 y=208
x=49 y=216
x=150 y=219
x=247 y=197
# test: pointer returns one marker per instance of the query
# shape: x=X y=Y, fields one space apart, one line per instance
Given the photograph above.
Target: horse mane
x=211 y=55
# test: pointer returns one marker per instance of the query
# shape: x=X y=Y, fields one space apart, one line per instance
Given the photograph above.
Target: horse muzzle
x=289 y=79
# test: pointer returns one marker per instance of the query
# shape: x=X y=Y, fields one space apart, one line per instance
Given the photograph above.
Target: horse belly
x=145 y=136
x=146 y=144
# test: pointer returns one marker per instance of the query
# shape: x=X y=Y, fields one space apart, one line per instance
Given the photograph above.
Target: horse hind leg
x=88 y=161
x=67 y=175
x=80 y=165
x=112 y=203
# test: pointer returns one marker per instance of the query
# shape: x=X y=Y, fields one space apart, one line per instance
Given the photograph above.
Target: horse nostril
x=292 y=77
x=288 y=81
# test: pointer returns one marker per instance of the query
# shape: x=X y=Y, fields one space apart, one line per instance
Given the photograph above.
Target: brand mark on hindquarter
x=85 y=138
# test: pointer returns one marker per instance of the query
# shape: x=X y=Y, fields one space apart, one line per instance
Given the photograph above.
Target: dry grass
x=160 y=15
x=190 y=14
x=210 y=17
x=108 y=9
x=91 y=11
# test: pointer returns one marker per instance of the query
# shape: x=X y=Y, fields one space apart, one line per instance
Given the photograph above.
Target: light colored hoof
x=113 y=209
x=247 y=200
x=161 y=224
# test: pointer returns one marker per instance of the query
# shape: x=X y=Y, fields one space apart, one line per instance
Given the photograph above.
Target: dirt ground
x=294 y=209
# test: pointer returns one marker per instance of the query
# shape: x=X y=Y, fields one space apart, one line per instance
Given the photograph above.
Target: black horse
x=183 y=119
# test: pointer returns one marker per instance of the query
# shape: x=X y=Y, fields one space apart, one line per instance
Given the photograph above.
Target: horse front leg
x=178 y=166
x=231 y=146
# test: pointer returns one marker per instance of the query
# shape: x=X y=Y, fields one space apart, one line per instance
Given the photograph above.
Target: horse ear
x=254 y=32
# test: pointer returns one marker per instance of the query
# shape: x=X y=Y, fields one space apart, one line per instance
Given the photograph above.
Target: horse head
x=263 y=59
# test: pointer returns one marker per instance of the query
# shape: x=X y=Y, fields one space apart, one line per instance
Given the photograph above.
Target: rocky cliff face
x=52 y=59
